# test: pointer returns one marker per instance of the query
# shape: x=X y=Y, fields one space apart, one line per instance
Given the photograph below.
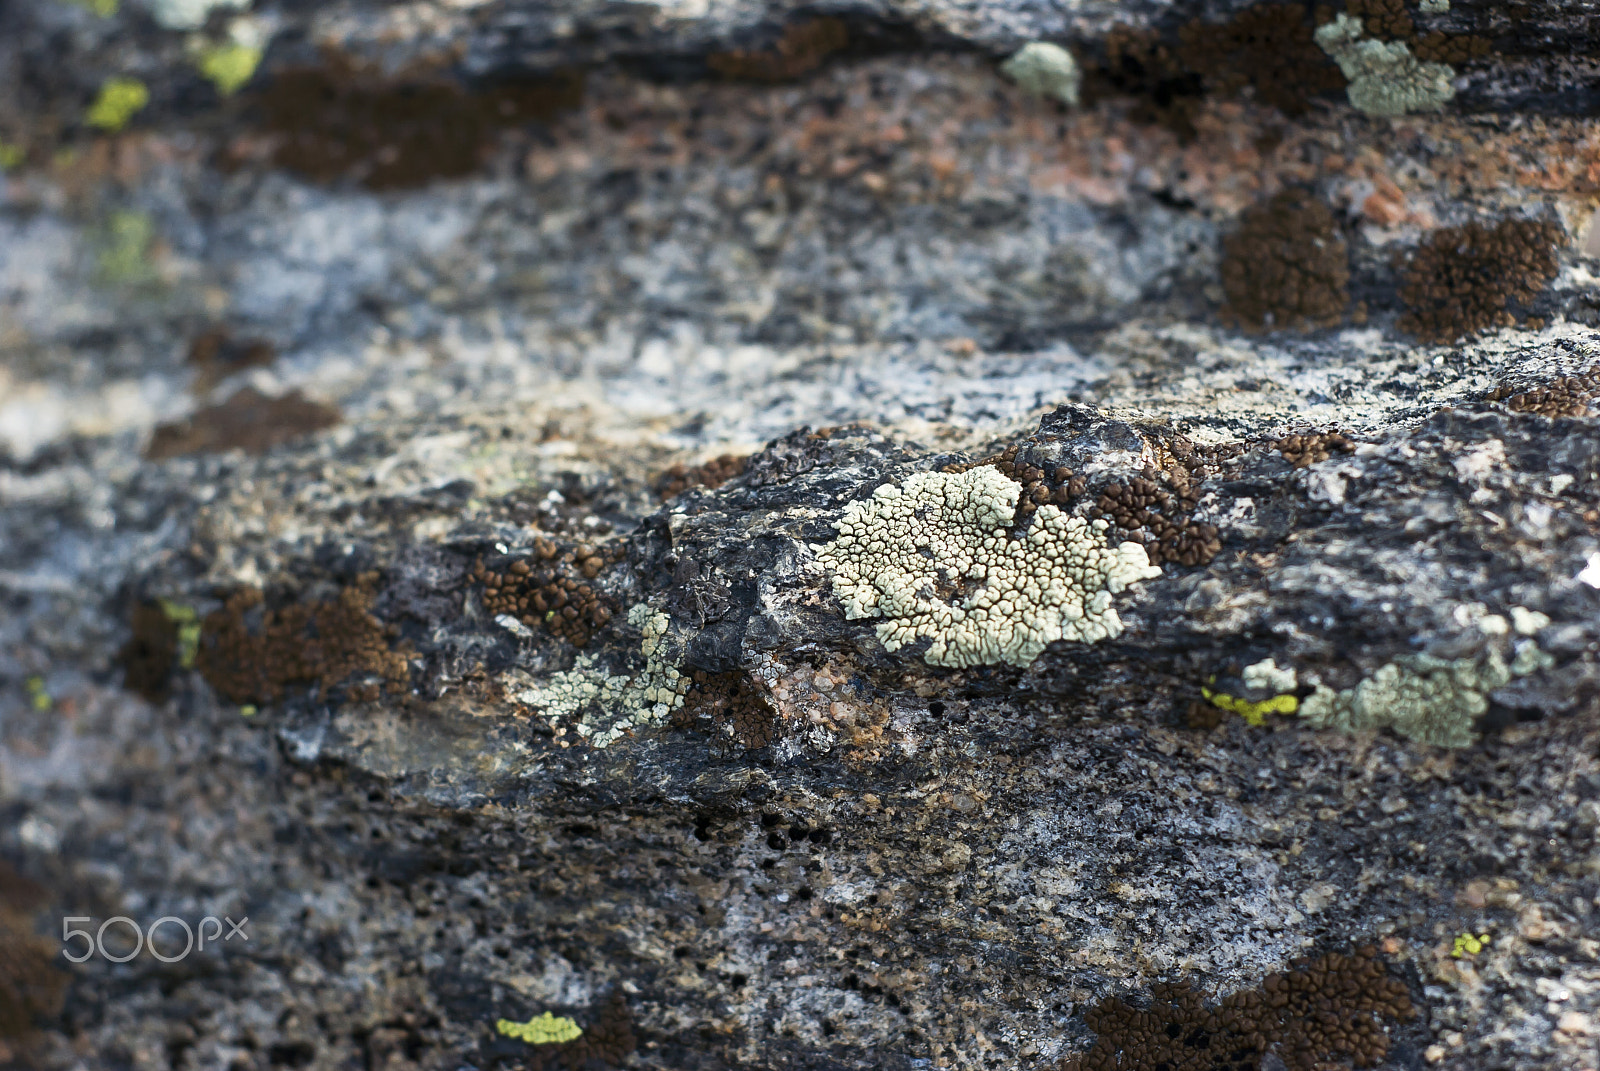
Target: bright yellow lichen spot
x=38 y=698
x=543 y=1029
x=1467 y=945
x=119 y=99
x=1253 y=712
x=229 y=66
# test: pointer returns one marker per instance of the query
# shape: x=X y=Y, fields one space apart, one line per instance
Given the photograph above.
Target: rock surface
x=323 y=404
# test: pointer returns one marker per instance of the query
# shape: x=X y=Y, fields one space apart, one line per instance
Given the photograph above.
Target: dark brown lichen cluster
x=729 y=705
x=150 y=653
x=248 y=421
x=1462 y=280
x=1267 y=51
x=1059 y=486
x=1160 y=519
x=1308 y=448
x=1569 y=396
x=548 y=589
x=606 y=1042
x=250 y=654
x=1388 y=20
x=217 y=354
x=339 y=123
x=30 y=985
x=1286 y=266
x=1325 y=1013
x=800 y=50
x=714 y=473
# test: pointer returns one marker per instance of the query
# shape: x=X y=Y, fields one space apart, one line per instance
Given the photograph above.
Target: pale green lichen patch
x=546 y=1029
x=1386 y=80
x=1045 y=70
x=935 y=560
x=602 y=706
x=230 y=65
x=119 y=100
x=1422 y=697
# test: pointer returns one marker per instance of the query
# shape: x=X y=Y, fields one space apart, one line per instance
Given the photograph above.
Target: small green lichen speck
x=1467 y=944
x=38 y=697
x=104 y=8
x=119 y=99
x=124 y=253
x=229 y=66
x=1386 y=80
x=543 y=1029
x=11 y=156
x=188 y=623
x=934 y=559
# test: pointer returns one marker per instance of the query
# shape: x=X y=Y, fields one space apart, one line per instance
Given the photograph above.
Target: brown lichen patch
x=800 y=50
x=731 y=705
x=714 y=473
x=1160 y=519
x=1461 y=280
x=248 y=421
x=1569 y=396
x=1269 y=48
x=338 y=123
x=216 y=355
x=1457 y=51
x=1387 y=20
x=607 y=1041
x=30 y=985
x=250 y=654
x=547 y=589
x=1327 y=1012
x=1303 y=450
x=151 y=652
x=1286 y=265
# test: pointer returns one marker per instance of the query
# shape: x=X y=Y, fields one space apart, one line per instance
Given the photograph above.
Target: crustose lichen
x=934 y=559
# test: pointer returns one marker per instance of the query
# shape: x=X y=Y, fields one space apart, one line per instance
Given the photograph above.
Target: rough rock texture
x=412 y=467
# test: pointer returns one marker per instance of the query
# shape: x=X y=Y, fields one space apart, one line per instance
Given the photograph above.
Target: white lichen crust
x=935 y=560
x=605 y=706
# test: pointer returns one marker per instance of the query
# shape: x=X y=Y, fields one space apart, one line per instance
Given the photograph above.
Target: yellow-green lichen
x=119 y=100
x=188 y=623
x=11 y=156
x=125 y=249
x=1045 y=70
x=104 y=8
x=1253 y=711
x=38 y=697
x=1466 y=944
x=229 y=66
x=543 y=1029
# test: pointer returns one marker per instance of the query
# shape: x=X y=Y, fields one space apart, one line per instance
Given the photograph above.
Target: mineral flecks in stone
x=933 y=559
x=801 y=49
x=734 y=706
x=1461 y=280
